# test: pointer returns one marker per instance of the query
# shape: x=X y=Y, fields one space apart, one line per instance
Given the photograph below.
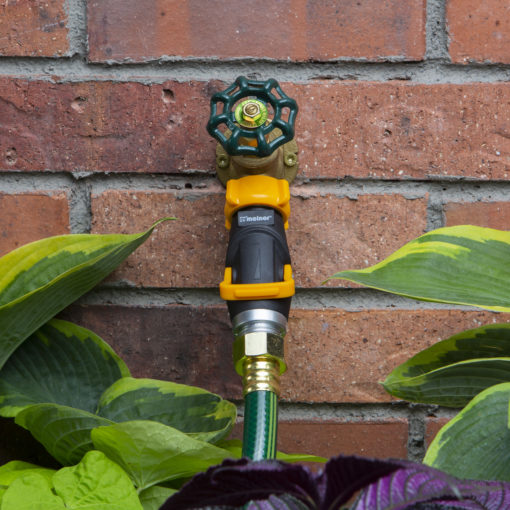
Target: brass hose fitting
x=259 y=349
x=261 y=373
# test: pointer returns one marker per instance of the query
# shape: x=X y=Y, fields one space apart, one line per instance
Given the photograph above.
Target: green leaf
x=153 y=497
x=465 y=265
x=453 y=371
x=31 y=492
x=192 y=410
x=63 y=431
x=16 y=469
x=235 y=447
x=41 y=278
x=60 y=363
x=476 y=443
x=96 y=483
x=151 y=452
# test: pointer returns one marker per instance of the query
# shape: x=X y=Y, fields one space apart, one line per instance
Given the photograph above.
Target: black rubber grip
x=257 y=253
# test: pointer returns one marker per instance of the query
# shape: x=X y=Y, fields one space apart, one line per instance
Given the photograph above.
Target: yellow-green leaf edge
x=418 y=245
x=24 y=258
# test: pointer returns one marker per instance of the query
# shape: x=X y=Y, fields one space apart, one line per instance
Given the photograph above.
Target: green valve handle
x=242 y=108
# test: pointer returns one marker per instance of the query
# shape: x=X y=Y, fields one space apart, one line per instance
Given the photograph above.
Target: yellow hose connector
x=255 y=190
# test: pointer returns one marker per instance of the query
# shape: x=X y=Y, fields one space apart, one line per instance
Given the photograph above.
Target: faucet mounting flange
x=281 y=164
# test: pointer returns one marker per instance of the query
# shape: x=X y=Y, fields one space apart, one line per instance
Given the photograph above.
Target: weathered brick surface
x=326 y=234
x=381 y=438
x=333 y=355
x=403 y=130
x=103 y=126
x=327 y=438
x=184 y=344
x=28 y=217
x=339 y=356
x=432 y=426
x=478 y=31
x=288 y=30
x=483 y=214
x=383 y=130
x=189 y=252
x=30 y=28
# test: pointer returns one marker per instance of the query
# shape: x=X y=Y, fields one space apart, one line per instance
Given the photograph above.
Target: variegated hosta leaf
x=41 y=278
x=464 y=265
x=476 y=443
x=63 y=431
x=151 y=452
x=60 y=363
x=194 y=411
x=453 y=371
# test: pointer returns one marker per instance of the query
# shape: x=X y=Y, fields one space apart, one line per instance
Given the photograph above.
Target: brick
x=333 y=356
x=184 y=344
x=33 y=28
x=190 y=252
x=327 y=438
x=432 y=426
x=296 y=30
x=483 y=214
x=103 y=126
x=328 y=234
x=361 y=130
x=478 y=31
x=340 y=356
x=31 y=216
x=403 y=130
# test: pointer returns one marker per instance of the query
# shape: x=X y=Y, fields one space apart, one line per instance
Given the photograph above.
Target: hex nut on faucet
x=258 y=344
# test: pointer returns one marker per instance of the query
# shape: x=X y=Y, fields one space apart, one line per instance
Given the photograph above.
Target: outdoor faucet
x=256 y=159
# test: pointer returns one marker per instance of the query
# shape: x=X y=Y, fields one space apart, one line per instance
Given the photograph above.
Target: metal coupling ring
x=258 y=344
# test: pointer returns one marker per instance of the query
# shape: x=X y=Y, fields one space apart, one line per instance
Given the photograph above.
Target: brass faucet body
x=281 y=164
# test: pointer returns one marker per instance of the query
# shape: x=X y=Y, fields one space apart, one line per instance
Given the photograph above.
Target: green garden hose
x=260 y=425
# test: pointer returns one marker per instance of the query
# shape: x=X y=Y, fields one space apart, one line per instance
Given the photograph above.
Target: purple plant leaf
x=487 y=495
x=388 y=485
x=415 y=485
x=344 y=476
x=277 y=503
x=237 y=482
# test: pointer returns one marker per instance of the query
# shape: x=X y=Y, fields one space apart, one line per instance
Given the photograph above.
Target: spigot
x=256 y=158
x=253 y=122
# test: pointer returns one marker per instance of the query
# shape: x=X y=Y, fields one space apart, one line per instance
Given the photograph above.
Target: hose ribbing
x=260 y=425
x=261 y=384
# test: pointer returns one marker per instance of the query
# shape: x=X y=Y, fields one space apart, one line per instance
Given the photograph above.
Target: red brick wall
x=404 y=126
